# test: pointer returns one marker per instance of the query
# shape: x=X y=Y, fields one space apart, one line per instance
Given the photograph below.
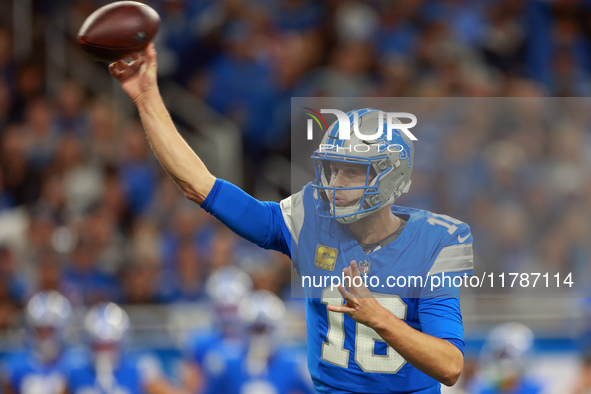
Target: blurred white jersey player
x=225 y=288
x=259 y=365
x=106 y=367
x=43 y=366
x=504 y=361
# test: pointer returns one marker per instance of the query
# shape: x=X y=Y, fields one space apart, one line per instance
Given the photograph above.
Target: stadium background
x=86 y=209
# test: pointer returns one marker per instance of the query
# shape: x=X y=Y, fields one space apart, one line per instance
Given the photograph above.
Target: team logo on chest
x=326 y=257
x=364 y=267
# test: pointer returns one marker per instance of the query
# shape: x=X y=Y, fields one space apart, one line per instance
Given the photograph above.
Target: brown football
x=117 y=30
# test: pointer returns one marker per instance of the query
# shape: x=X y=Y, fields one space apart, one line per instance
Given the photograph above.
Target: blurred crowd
x=85 y=209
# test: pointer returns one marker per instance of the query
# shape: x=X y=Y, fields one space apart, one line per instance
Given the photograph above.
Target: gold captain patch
x=326 y=257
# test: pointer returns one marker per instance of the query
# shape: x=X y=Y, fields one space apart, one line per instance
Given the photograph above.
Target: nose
x=336 y=180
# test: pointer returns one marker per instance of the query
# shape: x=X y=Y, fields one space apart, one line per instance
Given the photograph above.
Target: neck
x=375 y=227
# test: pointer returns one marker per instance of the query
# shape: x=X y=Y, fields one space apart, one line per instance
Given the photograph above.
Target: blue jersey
x=345 y=356
x=202 y=342
x=128 y=376
x=229 y=370
x=25 y=374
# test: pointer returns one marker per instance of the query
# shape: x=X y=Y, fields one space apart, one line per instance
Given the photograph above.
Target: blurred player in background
x=386 y=342
x=43 y=367
x=107 y=367
x=258 y=365
x=504 y=361
x=226 y=288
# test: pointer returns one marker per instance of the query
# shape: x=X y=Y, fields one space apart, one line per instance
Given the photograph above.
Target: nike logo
x=461 y=240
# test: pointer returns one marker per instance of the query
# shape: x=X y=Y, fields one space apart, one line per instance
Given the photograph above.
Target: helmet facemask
x=389 y=162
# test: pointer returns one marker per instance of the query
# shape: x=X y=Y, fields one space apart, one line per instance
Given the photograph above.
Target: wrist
x=382 y=320
x=146 y=96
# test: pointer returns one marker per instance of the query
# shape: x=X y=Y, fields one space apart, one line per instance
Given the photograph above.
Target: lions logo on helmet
x=388 y=164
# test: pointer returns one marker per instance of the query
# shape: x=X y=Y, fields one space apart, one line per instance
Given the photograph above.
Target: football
x=117 y=30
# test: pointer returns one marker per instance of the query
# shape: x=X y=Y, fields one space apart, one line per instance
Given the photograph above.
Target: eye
x=352 y=172
x=334 y=169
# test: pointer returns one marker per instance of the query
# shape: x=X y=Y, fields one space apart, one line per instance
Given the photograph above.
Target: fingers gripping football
x=139 y=75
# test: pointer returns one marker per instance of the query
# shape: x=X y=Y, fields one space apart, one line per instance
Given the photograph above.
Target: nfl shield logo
x=364 y=267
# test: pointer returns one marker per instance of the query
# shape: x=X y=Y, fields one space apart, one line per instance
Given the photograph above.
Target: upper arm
x=439 y=304
x=260 y=222
x=442 y=318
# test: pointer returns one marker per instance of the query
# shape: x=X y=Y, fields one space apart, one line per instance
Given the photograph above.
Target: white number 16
x=333 y=350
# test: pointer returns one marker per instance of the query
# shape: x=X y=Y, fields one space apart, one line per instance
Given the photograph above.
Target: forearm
x=435 y=357
x=173 y=152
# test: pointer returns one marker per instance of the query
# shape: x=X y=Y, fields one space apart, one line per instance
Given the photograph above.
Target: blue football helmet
x=389 y=161
x=47 y=316
x=226 y=288
x=106 y=323
x=262 y=310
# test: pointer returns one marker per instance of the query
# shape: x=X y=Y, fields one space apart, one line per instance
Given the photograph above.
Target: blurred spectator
x=20 y=179
x=140 y=283
x=6 y=199
x=50 y=275
x=102 y=146
x=83 y=274
x=12 y=289
x=188 y=283
x=72 y=110
x=137 y=171
x=39 y=134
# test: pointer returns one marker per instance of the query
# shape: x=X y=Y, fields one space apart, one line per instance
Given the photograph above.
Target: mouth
x=339 y=202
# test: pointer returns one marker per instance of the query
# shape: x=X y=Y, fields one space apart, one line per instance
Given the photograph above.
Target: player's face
x=47 y=343
x=343 y=175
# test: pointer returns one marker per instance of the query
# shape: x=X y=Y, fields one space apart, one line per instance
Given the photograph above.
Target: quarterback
x=360 y=339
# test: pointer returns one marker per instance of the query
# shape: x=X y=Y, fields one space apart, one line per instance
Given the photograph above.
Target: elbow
x=452 y=375
x=193 y=195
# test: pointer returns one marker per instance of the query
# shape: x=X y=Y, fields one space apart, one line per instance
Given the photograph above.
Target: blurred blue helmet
x=506 y=351
x=106 y=323
x=388 y=161
x=228 y=286
x=47 y=316
x=48 y=309
x=262 y=311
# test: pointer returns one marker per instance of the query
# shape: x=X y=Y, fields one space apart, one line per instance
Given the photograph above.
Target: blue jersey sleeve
x=442 y=318
x=260 y=222
x=439 y=305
